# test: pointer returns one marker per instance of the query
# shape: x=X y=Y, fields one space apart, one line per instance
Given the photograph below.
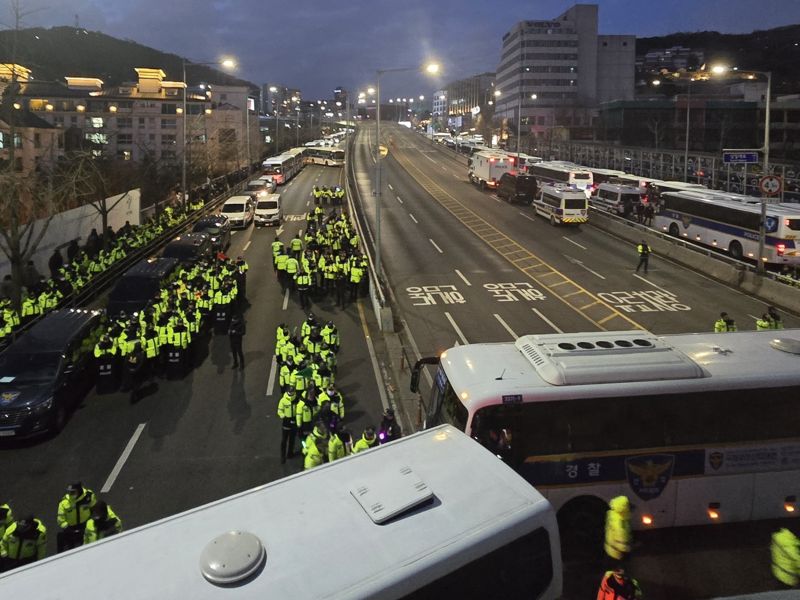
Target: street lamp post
x=688 y=114
x=431 y=68
x=228 y=64
x=762 y=226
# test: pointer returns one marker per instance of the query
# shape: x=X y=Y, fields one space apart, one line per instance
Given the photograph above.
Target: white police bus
x=563 y=172
x=432 y=515
x=695 y=428
x=561 y=204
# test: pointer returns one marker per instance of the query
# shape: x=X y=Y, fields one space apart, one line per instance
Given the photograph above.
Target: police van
x=617 y=199
x=562 y=204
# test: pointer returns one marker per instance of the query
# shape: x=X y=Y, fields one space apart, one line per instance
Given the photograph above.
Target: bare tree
x=656 y=125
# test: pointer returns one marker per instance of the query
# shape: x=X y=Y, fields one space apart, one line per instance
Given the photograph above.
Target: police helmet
x=75 y=488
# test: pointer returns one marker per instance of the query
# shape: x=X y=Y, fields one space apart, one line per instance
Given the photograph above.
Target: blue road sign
x=732 y=158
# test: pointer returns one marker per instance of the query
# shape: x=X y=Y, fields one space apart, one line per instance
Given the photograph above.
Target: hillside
x=53 y=53
x=776 y=50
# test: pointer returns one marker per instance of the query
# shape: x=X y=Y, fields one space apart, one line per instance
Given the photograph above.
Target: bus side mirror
x=417 y=369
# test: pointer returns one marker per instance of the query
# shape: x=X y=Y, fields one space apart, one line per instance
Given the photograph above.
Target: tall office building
x=569 y=67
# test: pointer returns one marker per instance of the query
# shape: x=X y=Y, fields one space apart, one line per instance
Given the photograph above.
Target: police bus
x=694 y=428
x=285 y=166
x=432 y=515
x=328 y=157
x=562 y=172
x=562 y=204
x=731 y=225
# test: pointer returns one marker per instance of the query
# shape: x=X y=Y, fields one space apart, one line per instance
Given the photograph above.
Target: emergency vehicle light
x=647 y=519
x=713 y=511
x=780 y=249
x=790 y=504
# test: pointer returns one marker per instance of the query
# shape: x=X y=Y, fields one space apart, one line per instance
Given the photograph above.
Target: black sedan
x=218 y=228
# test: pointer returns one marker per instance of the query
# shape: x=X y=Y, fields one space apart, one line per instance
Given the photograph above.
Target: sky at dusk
x=316 y=45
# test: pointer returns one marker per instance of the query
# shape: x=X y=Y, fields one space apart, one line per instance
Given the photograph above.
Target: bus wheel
x=735 y=250
x=581 y=523
x=673 y=230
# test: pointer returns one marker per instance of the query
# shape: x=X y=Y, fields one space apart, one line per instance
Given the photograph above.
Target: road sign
x=735 y=158
x=770 y=185
x=384 y=151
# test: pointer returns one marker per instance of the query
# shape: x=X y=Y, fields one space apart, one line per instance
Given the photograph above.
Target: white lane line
x=247 y=245
x=123 y=457
x=271 y=379
x=530 y=218
x=308 y=202
x=464 y=279
x=574 y=242
x=234 y=232
x=755 y=318
x=457 y=177
x=505 y=326
x=413 y=218
x=580 y=264
x=648 y=282
x=546 y=320
x=373 y=357
x=458 y=331
x=279 y=230
x=435 y=246
x=399 y=199
x=443 y=169
x=285 y=299
x=390 y=187
x=496 y=198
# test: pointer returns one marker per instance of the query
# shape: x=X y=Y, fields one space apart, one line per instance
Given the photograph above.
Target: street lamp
x=430 y=68
x=226 y=63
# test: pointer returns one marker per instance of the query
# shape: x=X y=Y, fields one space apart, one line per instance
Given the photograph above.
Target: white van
x=562 y=204
x=617 y=199
x=239 y=210
x=268 y=210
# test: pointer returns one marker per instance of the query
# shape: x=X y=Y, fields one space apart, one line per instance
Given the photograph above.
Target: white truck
x=487 y=167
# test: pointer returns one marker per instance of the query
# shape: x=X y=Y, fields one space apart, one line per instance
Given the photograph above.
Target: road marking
x=373 y=357
x=464 y=279
x=456 y=177
x=505 y=325
x=234 y=232
x=413 y=218
x=648 y=282
x=399 y=199
x=435 y=246
x=271 y=379
x=496 y=198
x=530 y=218
x=548 y=321
x=279 y=230
x=285 y=299
x=123 y=457
x=573 y=242
x=458 y=331
x=247 y=245
x=390 y=187
x=575 y=261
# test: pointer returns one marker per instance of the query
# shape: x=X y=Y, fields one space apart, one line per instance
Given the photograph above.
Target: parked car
x=256 y=188
x=218 y=227
x=517 y=187
x=239 y=210
x=140 y=284
x=270 y=181
x=189 y=248
x=268 y=210
x=46 y=373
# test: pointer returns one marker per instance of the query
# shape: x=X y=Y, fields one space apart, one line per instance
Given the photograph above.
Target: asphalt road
x=465 y=266
x=211 y=434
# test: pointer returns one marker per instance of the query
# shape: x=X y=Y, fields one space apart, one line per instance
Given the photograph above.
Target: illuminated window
x=96 y=122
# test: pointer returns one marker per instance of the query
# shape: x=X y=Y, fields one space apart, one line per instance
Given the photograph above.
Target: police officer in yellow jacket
x=618 y=528
x=315 y=454
x=367 y=441
x=103 y=523
x=74 y=510
x=6 y=518
x=22 y=543
x=786 y=557
x=287 y=414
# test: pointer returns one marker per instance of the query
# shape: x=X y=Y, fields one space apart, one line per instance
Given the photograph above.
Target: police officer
x=785 y=553
x=724 y=323
x=103 y=523
x=287 y=406
x=296 y=246
x=618 y=528
x=774 y=318
x=763 y=323
x=367 y=441
x=303 y=282
x=644 y=256
x=316 y=453
x=6 y=518
x=74 y=510
x=390 y=428
x=22 y=543
x=277 y=248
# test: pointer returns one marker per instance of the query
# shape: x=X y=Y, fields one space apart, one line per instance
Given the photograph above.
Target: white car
x=268 y=210
x=239 y=210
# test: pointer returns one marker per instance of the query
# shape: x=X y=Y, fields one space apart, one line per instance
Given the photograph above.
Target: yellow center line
x=483 y=230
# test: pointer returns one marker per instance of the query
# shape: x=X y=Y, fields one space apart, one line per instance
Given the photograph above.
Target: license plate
x=7 y=432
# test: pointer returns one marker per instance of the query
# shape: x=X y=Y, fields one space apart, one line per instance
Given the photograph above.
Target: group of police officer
x=325 y=260
x=771 y=319
x=81 y=518
x=160 y=337
x=325 y=195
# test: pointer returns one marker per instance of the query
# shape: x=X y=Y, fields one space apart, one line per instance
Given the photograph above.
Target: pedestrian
x=390 y=428
x=616 y=585
x=23 y=542
x=367 y=441
x=30 y=275
x=103 y=523
x=649 y=213
x=774 y=318
x=763 y=323
x=785 y=551
x=640 y=212
x=55 y=263
x=720 y=325
x=287 y=412
x=644 y=256
x=74 y=509
x=316 y=453
x=72 y=250
x=618 y=528
x=236 y=331
x=303 y=282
